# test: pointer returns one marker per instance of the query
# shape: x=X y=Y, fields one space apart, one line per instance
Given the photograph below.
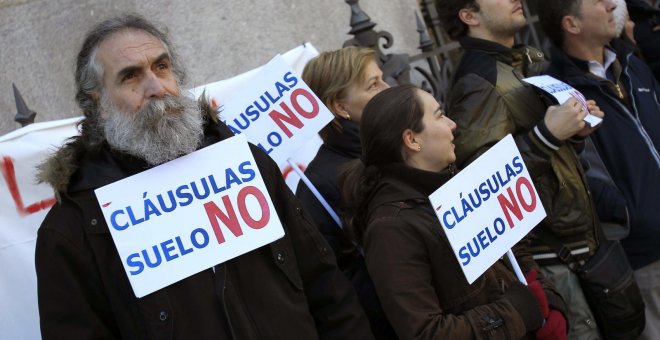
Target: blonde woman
x=345 y=80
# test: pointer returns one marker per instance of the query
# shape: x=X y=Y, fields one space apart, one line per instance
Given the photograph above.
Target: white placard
x=488 y=207
x=277 y=111
x=562 y=92
x=190 y=214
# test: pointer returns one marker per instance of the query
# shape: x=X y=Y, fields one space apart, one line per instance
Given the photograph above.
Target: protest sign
x=488 y=207
x=189 y=214
x=278 y=112
x=562 y=92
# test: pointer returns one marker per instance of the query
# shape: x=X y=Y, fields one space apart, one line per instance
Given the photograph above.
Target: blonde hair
x=331 y=73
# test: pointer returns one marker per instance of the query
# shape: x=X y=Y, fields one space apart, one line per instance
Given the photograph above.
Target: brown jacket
x=289 y=289
x=418 y=278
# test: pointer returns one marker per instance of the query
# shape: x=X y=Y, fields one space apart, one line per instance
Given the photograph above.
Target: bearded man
x=129 y=81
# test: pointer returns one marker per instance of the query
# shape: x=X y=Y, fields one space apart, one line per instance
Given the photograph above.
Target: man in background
x=588 y=56
x=488 y=101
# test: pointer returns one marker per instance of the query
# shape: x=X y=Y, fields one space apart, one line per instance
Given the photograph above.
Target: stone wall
x=217 y=39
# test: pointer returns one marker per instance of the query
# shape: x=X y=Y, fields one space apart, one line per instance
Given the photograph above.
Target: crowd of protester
x=386 y=269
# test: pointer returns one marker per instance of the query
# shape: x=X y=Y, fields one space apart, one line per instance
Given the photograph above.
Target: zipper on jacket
x=642 y=131
x=618 y=89
x=224 y=301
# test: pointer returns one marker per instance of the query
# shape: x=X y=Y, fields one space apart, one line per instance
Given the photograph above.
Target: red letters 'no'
x=7 y=168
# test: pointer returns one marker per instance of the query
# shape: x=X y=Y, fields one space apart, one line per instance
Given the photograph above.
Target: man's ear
x=468 y=16
x=571 y=24
x=95 y=96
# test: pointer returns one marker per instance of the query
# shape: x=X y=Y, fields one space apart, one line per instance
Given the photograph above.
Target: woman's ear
x=409 y=142
x=339 y=109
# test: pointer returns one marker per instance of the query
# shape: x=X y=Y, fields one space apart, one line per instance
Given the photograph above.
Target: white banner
x=24 y=203
x=488 y=207
x=189 y=214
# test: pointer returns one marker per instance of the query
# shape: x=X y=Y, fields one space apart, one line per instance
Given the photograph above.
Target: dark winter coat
x=628 y=141
x=339 y=148
x=646 y=19
x=420 y=281
x=289 y=289
x=488 y=100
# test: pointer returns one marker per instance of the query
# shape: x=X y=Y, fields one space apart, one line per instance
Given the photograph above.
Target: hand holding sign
x=563 y=92
x=595 y=111
x=566 y=120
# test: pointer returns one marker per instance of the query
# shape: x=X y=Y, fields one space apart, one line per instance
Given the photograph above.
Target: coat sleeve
x=331 y=299
x=71 y=302
x=484 y=117
x=400 y=267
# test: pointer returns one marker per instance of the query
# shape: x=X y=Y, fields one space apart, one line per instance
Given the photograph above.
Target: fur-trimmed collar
x=58 y=169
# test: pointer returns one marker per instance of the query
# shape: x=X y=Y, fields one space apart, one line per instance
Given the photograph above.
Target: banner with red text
x=278 y=112
x=488 y=207
x=189 y=214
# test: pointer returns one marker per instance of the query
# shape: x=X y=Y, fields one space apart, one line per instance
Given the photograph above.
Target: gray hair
x=89 y=73
x=620 y=16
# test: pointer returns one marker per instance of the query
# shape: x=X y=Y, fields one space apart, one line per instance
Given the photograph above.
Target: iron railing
x=433 y=67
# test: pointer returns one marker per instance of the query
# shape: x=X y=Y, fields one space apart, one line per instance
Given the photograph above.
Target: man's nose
x=452 y=124
x=611 y=5
x=155 y=87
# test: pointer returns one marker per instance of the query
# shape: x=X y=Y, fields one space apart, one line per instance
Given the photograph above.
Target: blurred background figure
x=647 y=32
x=587 y=56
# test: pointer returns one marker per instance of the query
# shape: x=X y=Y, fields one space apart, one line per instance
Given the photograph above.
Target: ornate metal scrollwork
x=396 y=67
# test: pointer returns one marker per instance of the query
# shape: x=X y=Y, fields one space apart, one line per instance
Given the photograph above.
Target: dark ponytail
x=356 y=182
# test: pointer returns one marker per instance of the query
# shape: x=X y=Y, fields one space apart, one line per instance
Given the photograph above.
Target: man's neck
x=584 y=50
x=507 y=41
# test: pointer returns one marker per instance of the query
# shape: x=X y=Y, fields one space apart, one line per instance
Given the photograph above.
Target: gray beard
x=163 y=130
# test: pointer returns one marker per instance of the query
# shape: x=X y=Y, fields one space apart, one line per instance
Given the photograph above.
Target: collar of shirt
x=601 y=70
